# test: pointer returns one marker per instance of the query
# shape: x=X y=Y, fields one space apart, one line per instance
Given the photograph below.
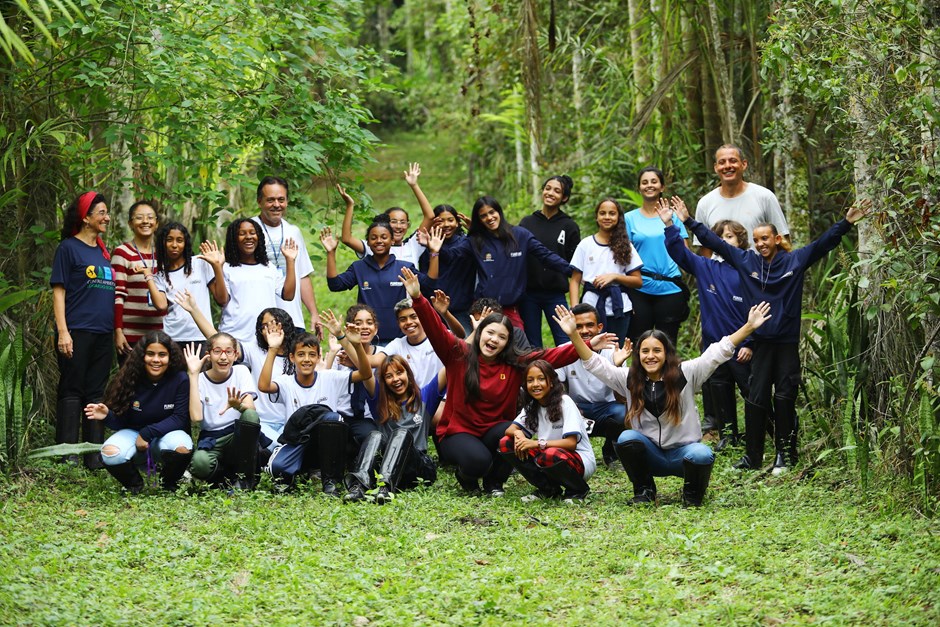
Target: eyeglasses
x=398 y=222
x=218 y=352
x=145 y=218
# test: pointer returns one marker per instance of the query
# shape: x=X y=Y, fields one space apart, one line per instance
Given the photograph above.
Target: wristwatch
x=543 y=443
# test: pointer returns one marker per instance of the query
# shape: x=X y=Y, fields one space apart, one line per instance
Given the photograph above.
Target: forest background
x=189 y=103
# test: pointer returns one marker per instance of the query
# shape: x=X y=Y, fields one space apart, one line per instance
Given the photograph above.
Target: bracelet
x=435 y=254
x=148 y=277
x=340 y=337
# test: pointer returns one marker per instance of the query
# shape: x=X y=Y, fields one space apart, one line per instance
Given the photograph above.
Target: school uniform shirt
x=329 y=387
x=779 y=282
x=424 y=362
x=417 y=423
x=594 y=259
x=178 y=323
x=86 y=275
x=457 y=276
x=252 y=288
x=756 y=205
x=345 y=403
x=572 y=423
x=213 y=396
x=559 y=234
x=499 y=382
x=274 y=237
x=410 y=250
x=501 y=274
x=379 y=288
x=659 y=429
x=268 y=406
x=157 y=409
x=134 y=312
x=648 y=237
x=719 y=290
x=583 y=386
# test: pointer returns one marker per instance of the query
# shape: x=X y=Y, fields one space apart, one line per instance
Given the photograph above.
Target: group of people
x=444 y=342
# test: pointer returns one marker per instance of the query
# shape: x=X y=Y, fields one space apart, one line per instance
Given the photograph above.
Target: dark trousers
x=775 y=371
x=85 y=374
x=665 y=313
x=477 y=457
x=531 y=308
x=722 y=383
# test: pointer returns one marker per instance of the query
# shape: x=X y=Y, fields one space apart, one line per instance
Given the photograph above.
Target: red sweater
x=499 y=383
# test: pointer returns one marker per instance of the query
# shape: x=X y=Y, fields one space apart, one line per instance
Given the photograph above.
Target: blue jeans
x=126 y=442
x=668 y=462
x=607 y=416
x=273 y=430
x=531 y=307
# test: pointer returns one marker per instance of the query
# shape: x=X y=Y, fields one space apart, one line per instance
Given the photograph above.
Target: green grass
x=762 y=551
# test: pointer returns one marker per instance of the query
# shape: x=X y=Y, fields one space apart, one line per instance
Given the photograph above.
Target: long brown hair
x=123 y=387
x=552 y=401
x=672 y=375
x=390 y=408
x=619 y=240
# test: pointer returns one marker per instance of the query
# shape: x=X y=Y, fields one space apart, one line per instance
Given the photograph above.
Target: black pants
x=775 y=371
x=723 y=381
x=85 y=375
x=665 y=313
x=478 y=457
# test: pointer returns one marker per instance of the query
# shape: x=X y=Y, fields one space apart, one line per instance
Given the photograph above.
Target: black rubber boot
x=697 y=477
x=245 y=451
x=174 y=465
x=632 y=455
x=784 y=434
x=359 y=480
x=576 y=488
x=128 y=476
x=726 y=412
x=68 y=419
x=331 y=449
x=94 y=433
x=394 y=462
x=545 y=487
x=755 y=418
x=710 y=420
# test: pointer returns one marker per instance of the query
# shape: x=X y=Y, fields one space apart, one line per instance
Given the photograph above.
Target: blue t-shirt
x=86 y=275
x=649 y=238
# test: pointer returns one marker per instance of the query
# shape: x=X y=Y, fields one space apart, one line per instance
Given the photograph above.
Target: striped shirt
x=133 y=311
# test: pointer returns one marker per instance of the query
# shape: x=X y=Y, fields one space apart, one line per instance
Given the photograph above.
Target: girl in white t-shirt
x=548 y=442
x=221 y=401
x=606 y=263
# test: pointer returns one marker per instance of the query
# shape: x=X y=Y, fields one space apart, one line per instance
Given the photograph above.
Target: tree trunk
x=576 y=100
x=722 y=77
x=641 y=81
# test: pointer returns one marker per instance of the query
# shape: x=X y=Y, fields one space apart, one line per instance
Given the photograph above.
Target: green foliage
x=16 y=394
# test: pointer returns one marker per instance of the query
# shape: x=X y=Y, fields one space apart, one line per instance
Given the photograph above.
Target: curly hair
x=287 y=325
x=159 y=247
x=232 y=256
x=740 y=233
x=552 y=400
x=390 y=406
x=123 y=387
x=619 y=240
x=354 y=310
x=72 y=223
x=672 y=374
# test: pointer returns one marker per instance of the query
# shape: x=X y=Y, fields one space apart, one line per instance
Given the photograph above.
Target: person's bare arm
x=346 y=235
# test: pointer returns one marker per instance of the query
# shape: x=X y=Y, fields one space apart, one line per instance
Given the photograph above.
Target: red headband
x=84 y=206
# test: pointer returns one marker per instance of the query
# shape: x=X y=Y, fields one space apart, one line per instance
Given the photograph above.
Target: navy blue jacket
x=722 y=300
x=502 y=275
x=456 y=276
x=157 y=408
x=779 y=282
x=379 y=288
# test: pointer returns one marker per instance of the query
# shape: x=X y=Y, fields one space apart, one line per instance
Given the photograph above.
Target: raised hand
x=289 y=249
x=234 y=400
x=210 y=253
x=352 y=333
x=464 y=220
x=96 y=411
x=565 y=319
x=186 y=300
x=194 y=363
x=603 y=340
x=623 y=353
x=678 y=205
x=328 y=319
x=412 y=174
x=436 y=241
x=410 y=280
x=329 y=242
x=274 y=336
x=475 y=322
x=346 y=197
x=664 y=209
x=440 y=301
x=858 y=211
x=758 y=315
x=423 y=236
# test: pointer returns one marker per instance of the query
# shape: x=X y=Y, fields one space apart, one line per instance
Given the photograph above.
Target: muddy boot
x=632 y=455
x=697 y=477
x=359 y=480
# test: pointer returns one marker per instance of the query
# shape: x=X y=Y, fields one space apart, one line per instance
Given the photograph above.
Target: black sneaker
x=383 y=495
x=355 y=494
x=329 y=488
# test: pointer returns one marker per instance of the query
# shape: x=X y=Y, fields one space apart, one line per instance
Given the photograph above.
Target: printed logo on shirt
x=502 y=377
x=753 y=275
x=136 y=406
x=395 y=283
x=737 y=299
x=561 y=237
x=169 y=405
x=711 y=288
x=101 y=278
x=488 y=257
x=518 y=253
x=418 y=420
x=365 y=286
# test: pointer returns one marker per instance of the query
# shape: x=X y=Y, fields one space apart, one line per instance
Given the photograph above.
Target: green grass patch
x=762 y=551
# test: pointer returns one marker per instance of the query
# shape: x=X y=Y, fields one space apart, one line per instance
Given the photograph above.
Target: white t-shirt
x=268 y=405
x=583 y=386
x=594 y=259
x=411 y=250
x=424 y=362
x=214 y=396
x=274 y=236
x=755 y=206
x=572 y=423
x=251 y=290
x=330 y=388
x=178 y=323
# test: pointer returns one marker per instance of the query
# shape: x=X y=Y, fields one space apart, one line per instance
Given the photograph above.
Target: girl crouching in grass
x=548 y=442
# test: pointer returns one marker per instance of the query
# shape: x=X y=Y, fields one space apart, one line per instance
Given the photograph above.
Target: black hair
x=585 y=308
x=654 y=170
x=299 y=341
x=159 y=249
x=566 y=185
x=123 y=387
x=232 y=256
x=509 y=355
x=141 y=203
x=480 y=303
x=287 y=326
x=438 y=210
x=619 y=244
x=553 y=400
x=479 y=232
x=71 y=220
x=380 y=221
x=271 y=180
x=388 y=212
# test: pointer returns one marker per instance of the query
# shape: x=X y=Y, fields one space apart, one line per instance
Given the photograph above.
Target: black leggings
x=85 y=374
x=665 y=313
x=478 y=457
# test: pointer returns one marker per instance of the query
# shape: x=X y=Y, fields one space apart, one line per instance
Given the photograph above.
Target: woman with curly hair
x=548 y=441
x=606 y=264
x=147 y=404
x=664 y=434
x=251 y=281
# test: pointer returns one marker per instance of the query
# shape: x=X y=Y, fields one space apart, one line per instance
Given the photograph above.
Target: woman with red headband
x=83 y=302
